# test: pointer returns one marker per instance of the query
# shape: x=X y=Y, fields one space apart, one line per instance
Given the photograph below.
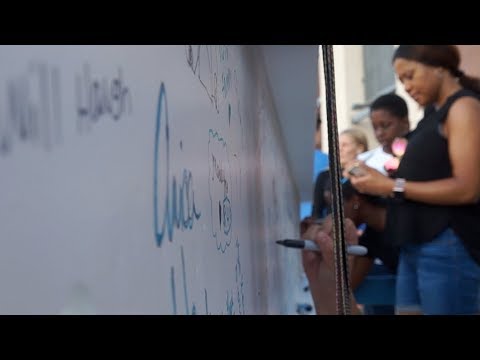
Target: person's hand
x=305 y=224
x=320 y=266
x=322 y=262
x=350 y=165
x=312 y=260
x=372 y=182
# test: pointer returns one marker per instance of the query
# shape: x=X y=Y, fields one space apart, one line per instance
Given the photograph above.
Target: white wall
x=349 y=90
x=292 y=71
x=143 y=179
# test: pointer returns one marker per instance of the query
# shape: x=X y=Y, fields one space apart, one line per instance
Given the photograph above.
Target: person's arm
x=320 y=271
x=320 y=268
x=462 y=129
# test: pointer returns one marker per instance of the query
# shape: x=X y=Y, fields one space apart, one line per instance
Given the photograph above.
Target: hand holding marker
x=358 y=250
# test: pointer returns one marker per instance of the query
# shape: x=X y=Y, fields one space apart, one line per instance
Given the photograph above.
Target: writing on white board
x=178 y=208
x=100 y=97
x=219 y=191
x=209 y=64
x=234 y=298
x=30 y=113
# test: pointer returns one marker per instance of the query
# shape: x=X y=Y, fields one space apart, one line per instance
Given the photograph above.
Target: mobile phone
x=356 y=170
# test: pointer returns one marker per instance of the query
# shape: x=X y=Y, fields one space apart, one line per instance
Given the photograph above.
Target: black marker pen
x=358 y=250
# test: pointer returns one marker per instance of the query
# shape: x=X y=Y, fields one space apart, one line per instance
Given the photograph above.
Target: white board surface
x=142 y=180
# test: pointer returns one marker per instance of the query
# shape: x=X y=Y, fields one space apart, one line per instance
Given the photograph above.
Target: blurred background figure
x=389 y=119
x=434 y=209
x=390 y=123
x=352 y=142
x=320 y=163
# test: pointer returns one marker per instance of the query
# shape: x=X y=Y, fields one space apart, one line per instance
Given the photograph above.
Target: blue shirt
x=320 y=163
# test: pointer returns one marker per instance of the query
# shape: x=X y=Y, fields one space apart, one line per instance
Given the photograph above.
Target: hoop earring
x=356 y=206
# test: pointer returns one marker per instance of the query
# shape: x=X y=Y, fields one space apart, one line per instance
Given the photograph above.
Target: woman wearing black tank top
x=434 y=210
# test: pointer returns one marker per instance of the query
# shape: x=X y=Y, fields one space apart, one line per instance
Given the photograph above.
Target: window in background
x=379 y=78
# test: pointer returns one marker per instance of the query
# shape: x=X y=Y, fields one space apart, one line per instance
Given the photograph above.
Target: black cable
x=341 y=261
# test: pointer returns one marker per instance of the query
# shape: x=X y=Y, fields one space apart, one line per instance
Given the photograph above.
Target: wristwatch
x=399 y=189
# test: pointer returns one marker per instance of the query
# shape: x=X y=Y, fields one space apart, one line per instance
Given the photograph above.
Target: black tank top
x=426 y=158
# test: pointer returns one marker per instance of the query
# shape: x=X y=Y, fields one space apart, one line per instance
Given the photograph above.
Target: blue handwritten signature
x=180 y=210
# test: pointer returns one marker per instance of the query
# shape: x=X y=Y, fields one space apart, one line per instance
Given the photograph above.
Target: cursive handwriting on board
x=97 y=98
x=209 y=64
x=179 y=209
x=234 y=298
x=219 y=190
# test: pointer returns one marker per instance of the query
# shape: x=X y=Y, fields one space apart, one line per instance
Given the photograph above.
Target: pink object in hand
x=392 y=164
x=398 y=146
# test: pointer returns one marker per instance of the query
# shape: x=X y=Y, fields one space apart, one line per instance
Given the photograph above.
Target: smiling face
x=421 y=82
